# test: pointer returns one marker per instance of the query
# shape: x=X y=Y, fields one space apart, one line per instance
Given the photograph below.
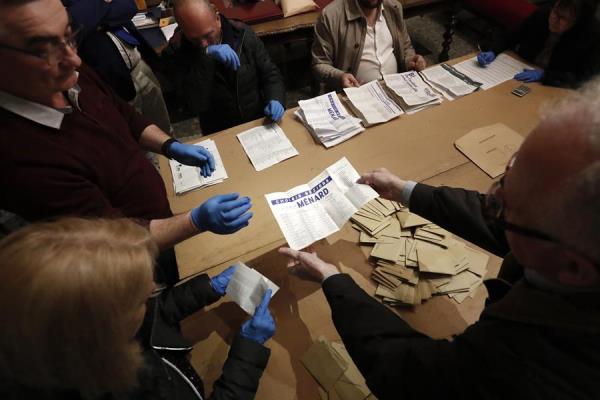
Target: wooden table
x=418 y=147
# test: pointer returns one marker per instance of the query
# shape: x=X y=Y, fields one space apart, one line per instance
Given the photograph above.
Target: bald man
x=222 y=69
x=538 y=338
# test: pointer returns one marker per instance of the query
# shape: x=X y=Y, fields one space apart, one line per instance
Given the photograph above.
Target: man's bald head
x=199 y=21
x=554 y=185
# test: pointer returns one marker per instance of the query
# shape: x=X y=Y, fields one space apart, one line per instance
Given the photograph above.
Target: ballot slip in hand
x=313 y=211
x=186 y=178
x=247 y=287
x=490 y=147
x=266 y=146
x=502 y=69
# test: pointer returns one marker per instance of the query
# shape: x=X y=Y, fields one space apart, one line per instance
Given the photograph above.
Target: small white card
x=247 y=287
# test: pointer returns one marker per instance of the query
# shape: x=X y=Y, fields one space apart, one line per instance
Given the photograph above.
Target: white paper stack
x=411 y=92
x=186 y=178
x=247 y=287
x=502 y=69
x=372 y=104
x=327 y=120
x=266 y=146
x=449 y=85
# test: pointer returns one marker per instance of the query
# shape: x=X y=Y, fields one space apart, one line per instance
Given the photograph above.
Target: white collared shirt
x=377 y=57
x=40 y=113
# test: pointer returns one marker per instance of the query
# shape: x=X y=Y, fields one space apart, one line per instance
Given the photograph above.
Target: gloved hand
x=222 y=214
x=530 y=75
x=197 y=156
x=261 y=326
x=219 y=283
x=224 y=54
x=486 y=57
x=274 y=110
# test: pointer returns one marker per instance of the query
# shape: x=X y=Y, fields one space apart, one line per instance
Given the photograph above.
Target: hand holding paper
x=261 y=327
x=219 y=283
x=309 y=264
x=388 y=185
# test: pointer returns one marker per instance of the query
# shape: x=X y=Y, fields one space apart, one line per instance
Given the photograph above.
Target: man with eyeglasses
x=538 y=337
x=71 y=146
x=221 y=69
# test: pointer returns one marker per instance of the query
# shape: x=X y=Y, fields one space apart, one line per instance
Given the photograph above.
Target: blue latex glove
x=222 y=214
x=219 y=283
x=274 y=110
x=197 y=156
x=261 y=326
x=486 y=57
x=224 y=54
x=530 y=75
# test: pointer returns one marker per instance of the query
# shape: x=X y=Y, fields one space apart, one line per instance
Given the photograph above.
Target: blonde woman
x=79 y=321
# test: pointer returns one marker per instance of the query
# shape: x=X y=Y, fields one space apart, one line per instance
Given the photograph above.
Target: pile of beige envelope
x=414 y=258
x=330 y=364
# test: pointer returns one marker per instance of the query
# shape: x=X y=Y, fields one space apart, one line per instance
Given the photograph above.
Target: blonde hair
x=69 y=290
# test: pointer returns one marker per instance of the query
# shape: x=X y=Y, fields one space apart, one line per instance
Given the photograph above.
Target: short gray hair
x=576 y=206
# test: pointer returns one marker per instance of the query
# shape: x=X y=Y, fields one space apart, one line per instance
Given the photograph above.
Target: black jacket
x=223 y=98
x=167 y=373
x=530 y=344
x=575 y=58
x=94 y=18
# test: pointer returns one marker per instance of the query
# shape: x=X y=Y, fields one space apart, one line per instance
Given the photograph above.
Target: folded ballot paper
x=247 y=287
x=266 y=146
x=332 y=367
x=186 y=178
x=372 y=104
x=313 y=211
x=411 y=92
x=327 y=120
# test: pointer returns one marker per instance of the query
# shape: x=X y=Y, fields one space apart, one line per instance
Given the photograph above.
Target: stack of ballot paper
x=313 y=211
x=327 y=120
x=186 y=178
x=266 y=146
x=247 y=287
x=411 y=92
x=447 y=81
x=339 y=378
x=372 y=104
x=502 y=69
x=414 y=258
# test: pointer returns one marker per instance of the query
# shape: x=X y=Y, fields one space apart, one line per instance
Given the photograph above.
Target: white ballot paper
x=266 y=146
x=449 y=85
x=313 y=211
x=502 y=69
x=372 y=103
x=247 y=287
x=186 y=178
x=411 y=91
x=327 y=120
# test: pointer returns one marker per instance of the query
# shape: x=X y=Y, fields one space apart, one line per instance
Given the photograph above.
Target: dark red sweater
x=92 y=166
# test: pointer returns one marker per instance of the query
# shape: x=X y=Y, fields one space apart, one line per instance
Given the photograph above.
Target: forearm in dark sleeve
x=184 y=299
x=271 y=79
x=391 y=355
x=242 y=370
x=460 y=212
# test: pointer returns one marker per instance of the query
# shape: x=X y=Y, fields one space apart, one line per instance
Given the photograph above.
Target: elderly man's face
x=35 y=59
x=201 y=26
x=370 y=3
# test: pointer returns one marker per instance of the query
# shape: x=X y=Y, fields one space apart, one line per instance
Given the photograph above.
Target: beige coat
x=340 y=36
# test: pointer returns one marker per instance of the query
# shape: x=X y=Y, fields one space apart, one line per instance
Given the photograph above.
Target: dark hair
x=583 y=8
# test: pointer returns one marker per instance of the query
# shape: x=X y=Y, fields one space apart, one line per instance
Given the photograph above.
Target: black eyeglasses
x=55 y=50
x=495 y=206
